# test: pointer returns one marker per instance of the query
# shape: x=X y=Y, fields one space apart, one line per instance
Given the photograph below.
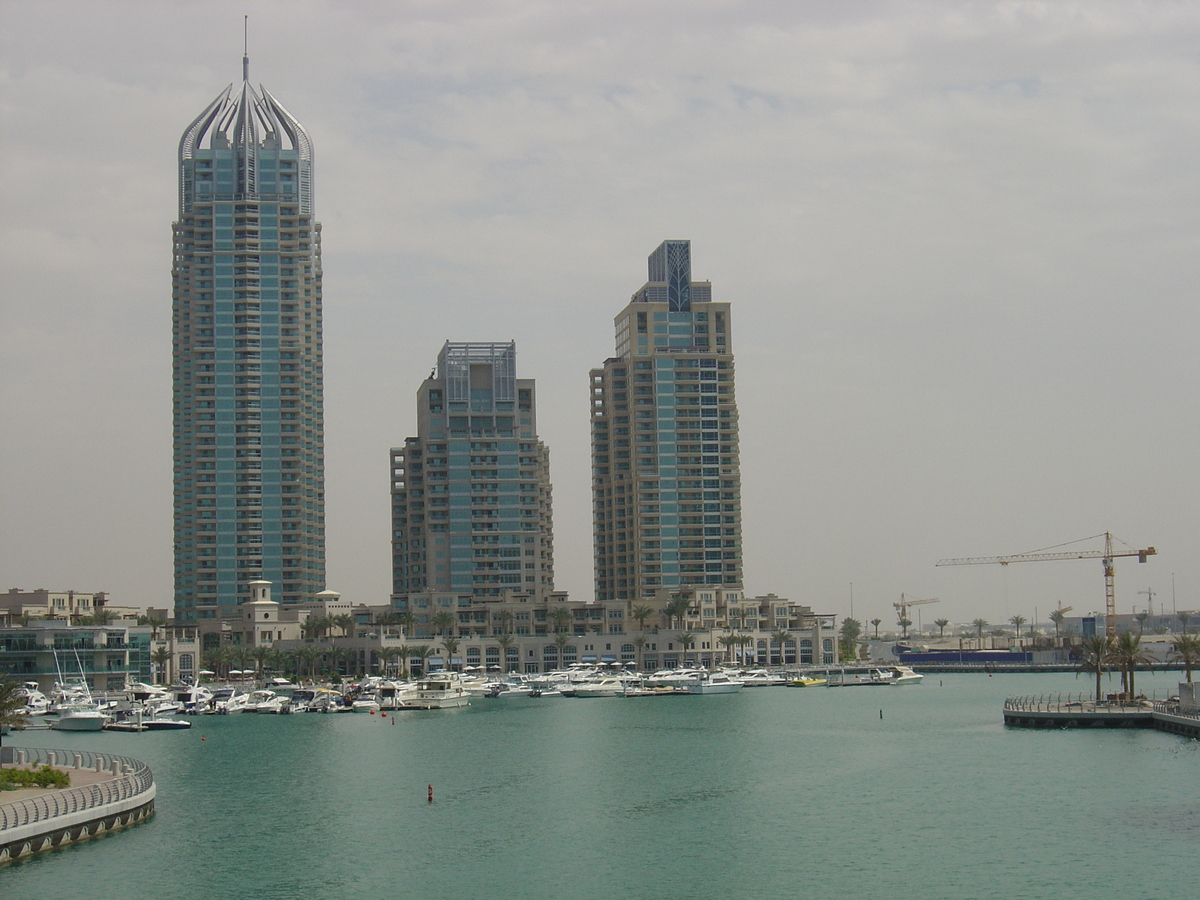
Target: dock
x=1076 y=711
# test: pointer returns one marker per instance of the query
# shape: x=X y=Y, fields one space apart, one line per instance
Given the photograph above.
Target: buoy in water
x=431 y=793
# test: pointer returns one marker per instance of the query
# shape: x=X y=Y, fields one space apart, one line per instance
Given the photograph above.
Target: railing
x=133 y=777
x=1074 y=702
x=1171 y=708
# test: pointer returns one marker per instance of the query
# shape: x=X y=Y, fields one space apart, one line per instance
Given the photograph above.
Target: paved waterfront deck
x=1078 y=711
x=107 y=792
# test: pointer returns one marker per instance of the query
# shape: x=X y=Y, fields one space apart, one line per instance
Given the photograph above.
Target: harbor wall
x=57 y=818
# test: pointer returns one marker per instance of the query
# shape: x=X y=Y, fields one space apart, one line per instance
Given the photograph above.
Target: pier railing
x=1074 y=702
x=132 y=777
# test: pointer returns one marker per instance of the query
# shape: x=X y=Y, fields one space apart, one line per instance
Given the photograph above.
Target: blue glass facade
x=247 y=368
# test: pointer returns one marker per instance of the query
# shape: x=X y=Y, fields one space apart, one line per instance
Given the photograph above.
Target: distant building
x=471 y=497
x=249 y=491
x=666 y=477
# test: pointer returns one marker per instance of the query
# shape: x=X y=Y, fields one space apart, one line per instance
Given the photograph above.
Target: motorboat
x=712 y=683
x=605 y=687
x=227 y=701
x=440 y=690
x=905 y=675
x=760 y=678
x=34 y=702
x=74 y=706
x=805 y=681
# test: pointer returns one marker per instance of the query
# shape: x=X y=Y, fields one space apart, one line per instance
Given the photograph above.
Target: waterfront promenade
x=107 y=793
x=1083 y=711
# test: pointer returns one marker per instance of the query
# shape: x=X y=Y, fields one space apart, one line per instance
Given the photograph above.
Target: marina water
x=774 y=792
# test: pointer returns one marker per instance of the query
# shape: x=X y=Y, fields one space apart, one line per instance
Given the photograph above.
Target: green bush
x=46 y=776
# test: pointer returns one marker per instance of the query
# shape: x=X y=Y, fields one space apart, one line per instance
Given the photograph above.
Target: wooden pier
x=1083 y=711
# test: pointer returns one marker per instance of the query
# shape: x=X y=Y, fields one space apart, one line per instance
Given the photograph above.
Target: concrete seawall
x=120 y=793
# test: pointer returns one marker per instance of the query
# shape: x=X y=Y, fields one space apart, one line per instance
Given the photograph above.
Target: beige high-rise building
x=666 y=482
x=471 y=505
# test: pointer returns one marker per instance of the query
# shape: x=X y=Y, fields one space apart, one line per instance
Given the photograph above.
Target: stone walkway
x=79 y=778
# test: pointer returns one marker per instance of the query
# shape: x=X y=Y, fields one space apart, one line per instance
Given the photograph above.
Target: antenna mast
x=246 y=48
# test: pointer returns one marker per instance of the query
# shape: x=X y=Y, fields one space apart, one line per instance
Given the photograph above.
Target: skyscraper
x=246 y=317
x=666 y=482
x=471 y=510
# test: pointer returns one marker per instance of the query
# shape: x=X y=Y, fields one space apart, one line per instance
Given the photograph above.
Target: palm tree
x=422 y=652
x=941 y=624
x=306 y=658
x=386 y=656
x=687 y=640
x=1141 y=620
x=641 y=613
x=1057 y=617
x=11 y=706
x=407 y=621
x=261 y=654
x=344 y=621
x=404 y=652
x=979 y=625
x=449 y=644
x=562 y=619
x=639 y=642
x=504 y=620
x=1186 y=649
x=161 y=658
x=1097 y=653
x=561 y=640
x=904 y=622
x=1184 y=618
x=877 y=623
x=155 y=623
x=505 y=641
x=677 y=608
x=781 y=637
x=443 y=622
x=1128 y=654
x=1017 y=622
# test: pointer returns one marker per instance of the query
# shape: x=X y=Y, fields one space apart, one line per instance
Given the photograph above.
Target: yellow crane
x=1108 y=554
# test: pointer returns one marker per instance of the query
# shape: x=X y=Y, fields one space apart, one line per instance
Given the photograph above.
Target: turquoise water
x=774 y=792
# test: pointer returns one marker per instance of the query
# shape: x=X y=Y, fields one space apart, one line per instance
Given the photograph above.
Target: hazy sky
x=960 y=241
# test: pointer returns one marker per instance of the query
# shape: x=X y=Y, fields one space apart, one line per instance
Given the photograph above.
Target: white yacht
x=760 y=678
x=605 y=687
x=440 y=690
x=905 y=675
x=850 y=676
x=712 y=683
x=36 y=703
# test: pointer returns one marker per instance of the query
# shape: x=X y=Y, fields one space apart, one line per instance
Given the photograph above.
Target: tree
x=450 y=645
x=1057 y=617
x=1141 y=620
x=505 y=641
x=641 y=613
x=261 y=655
x=1128 y=654
x=687 y=640
x=979 y=625
x=904 y=622
x=1184 y=618
x=1097 y=654
x=781 y=637
x=877 y=623
x=445 y=621
x=850 y=631
x=404 y=652
x=562 y=619
x=306 y=659
x=504 y=621
x=343 y=621
x=639 y=642
x=941 y=624
x=422 y=652
x=408 y=621
x=155 y=623
x=161 y=659
x=560 y=641
x=677 y=608
x=1186 y=649
x=386 y=657
x=12 y=705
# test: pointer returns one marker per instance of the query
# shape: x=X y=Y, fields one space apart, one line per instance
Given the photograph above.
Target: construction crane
x=1107 y=555
x=902 y=609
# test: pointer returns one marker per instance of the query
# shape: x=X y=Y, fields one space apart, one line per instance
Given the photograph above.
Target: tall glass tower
x=471 y=499
x=666 y=481
x=246 y=337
